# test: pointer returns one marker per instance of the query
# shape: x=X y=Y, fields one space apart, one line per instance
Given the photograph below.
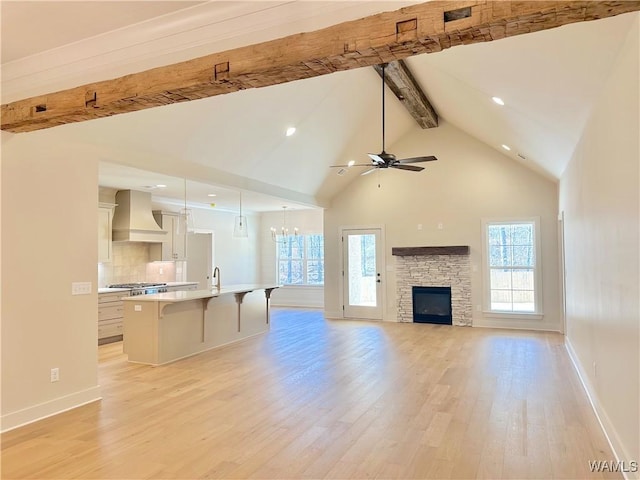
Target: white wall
x=308 y=221
x=49 y=240
x=600 y=200
x=469 y=182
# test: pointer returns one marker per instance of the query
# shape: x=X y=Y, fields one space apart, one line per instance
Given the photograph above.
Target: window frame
x=306 y=258
x=537 y=269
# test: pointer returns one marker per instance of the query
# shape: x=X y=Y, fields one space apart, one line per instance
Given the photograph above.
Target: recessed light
x=211 y=195
x=161 y=186
x=498 y=100
x=290 y=131
x=351 y=163
x=506 y=147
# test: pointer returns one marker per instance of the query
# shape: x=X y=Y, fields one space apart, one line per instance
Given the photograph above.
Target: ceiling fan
x=388 y=160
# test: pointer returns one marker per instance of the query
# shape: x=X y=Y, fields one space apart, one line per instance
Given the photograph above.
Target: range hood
x=133 y=220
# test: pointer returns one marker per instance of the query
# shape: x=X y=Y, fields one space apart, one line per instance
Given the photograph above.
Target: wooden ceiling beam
x=423 y=28
x=403 y=84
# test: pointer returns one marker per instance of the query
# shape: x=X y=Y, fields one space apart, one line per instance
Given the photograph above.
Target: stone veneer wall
x=435 y=271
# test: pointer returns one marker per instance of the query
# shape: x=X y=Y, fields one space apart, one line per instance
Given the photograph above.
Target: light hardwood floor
x=329 y=399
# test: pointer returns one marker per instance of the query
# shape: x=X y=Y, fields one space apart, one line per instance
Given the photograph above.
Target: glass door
x=362 y=273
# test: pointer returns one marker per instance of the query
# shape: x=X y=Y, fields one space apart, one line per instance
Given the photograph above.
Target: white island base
x=166 y=327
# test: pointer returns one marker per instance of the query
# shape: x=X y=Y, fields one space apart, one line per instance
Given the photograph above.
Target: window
x=511 y=259
x=368 y=255
x=300 y=260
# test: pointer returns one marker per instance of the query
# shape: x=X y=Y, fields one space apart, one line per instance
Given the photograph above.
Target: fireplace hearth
x=432 y=305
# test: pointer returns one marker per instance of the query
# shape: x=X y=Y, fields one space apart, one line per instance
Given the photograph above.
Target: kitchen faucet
x=216 y=275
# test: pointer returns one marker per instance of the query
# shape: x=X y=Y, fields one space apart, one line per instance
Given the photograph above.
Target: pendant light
x=240 y=227
x=185 y=218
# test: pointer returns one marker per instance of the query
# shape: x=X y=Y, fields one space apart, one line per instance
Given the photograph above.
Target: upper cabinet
x=173 y=247
x=105 y=216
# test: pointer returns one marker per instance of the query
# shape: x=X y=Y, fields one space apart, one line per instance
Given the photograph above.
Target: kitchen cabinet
x=110 y=316
x=105 y=216
x=173 y=247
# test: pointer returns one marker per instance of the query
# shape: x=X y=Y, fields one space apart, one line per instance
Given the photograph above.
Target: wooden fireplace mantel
x=451 y=250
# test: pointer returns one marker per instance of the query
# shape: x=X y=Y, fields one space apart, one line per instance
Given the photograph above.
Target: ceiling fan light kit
x=384 y=159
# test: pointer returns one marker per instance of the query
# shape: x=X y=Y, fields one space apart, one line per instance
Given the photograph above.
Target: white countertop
x=169 y=284
x=112 y=290
x=183 y=296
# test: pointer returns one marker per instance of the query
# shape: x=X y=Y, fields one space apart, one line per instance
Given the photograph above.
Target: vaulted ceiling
x=548 y=81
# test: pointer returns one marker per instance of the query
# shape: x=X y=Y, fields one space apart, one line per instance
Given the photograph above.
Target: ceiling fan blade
x=367 y=172
x=375 y=158
x=413 y=168
x=430 y=158
x=349 y=166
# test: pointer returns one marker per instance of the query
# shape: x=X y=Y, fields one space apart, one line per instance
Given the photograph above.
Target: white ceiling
x=31 y=27
x=549 y=81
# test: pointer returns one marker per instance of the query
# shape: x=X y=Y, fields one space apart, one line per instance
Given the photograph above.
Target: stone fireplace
x=434 y=267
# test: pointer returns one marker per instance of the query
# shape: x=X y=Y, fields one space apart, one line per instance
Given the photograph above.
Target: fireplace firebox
x=432 y=305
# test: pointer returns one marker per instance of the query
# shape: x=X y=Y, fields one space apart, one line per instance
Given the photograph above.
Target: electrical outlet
x=160 y=271
x=137 y=308
x=55 y=374
x=440 y=226
x=80 y=288
x=419 y=226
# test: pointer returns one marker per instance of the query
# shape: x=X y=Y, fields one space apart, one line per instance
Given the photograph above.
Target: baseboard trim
x=53 y=407
x=513 y=325
x=603 y=419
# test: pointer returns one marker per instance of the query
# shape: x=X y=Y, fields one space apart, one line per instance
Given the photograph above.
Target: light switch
x=137 y=308
x=80 y=288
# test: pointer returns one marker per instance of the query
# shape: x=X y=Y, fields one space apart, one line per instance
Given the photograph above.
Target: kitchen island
x=164 y=327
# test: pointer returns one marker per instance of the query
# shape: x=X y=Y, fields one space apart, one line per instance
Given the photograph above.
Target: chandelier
x=280 y=235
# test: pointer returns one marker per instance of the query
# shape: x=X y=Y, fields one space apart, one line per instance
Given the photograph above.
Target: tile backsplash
x=130 y=263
